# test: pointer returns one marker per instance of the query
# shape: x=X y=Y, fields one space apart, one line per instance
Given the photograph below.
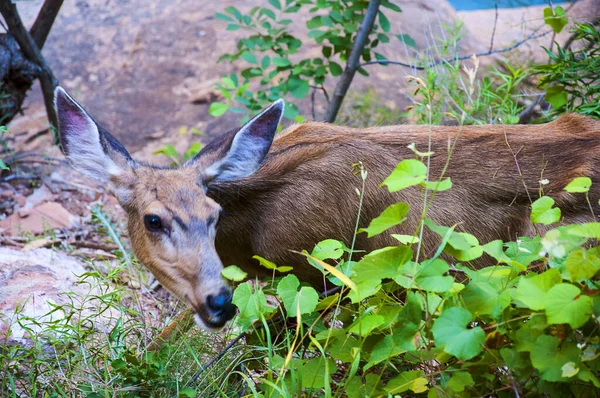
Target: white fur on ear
x=249 y=146
x=81 y=139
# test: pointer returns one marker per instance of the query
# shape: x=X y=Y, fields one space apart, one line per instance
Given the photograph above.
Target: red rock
x=7 y=194
x=48 y=215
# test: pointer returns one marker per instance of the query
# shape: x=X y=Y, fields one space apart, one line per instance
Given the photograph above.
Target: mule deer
x=246 y=194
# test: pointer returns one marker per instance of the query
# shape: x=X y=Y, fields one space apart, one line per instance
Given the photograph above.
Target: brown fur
x=304 y=191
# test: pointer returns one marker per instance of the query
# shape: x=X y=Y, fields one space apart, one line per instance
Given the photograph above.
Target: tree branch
x=462 y=58
x=44 y=21
x=353 y=61
x=33 y=53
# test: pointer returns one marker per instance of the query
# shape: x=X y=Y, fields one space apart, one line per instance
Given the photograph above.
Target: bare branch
x=353 y=61
x=442 y=61
x=495 y=23
x=44 y=21
x=33 y=53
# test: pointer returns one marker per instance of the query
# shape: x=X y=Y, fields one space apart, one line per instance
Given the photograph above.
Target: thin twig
x=462 y=58
x=495 y=23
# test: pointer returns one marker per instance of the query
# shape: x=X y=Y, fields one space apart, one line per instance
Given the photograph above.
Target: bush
x=526 y=325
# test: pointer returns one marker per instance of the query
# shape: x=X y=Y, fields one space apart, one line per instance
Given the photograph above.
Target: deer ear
x=87 y=146
x=240 y=154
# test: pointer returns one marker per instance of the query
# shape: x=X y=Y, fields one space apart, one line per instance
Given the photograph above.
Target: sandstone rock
x=46 y=216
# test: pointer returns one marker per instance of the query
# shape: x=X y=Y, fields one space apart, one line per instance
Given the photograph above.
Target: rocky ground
x=145 y=70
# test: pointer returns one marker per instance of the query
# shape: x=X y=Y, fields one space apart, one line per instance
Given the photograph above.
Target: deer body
x=304 y=191
x=271 y=199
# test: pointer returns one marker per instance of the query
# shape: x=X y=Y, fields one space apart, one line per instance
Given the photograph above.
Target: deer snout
x=217 y=310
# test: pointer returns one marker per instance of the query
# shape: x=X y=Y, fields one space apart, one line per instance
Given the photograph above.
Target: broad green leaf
x=460 y=245
x=579 y=185
x=249 y=57
x=587 y=230
x=312 y=372
x=390 y=217
x=328 y=249
x=366 y=324
x=409 y=172
x=556 y=96
x=566 y=304
x=438 y=186
x=556 y=18
x=3 y=165
x=482 y=298
x=251 y=304
x=298 y=87
x=335 y=68
x=275 y=3
x=234 y=273
x=364 y=288
x=532 y=289
x=406 y=239
x=402 y=339
x=431 y=277
x=305 y=299
x=460 y=380
x=382 y=263
x=278 y=61
x=265 y=62
x=187 y=392
x=549 y=358
x=542 y=211
x=168 y=150
x=582 y=265
x=451 y=334
x=413 y=380
x=217 y=108
x=495 y=249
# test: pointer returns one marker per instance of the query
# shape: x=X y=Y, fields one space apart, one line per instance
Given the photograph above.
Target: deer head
x=172 y=223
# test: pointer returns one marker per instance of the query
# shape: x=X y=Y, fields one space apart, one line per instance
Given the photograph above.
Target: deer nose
x=220 y=305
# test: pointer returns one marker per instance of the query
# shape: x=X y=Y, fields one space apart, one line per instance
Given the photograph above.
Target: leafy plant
x=571 y=78
x=4 y=145
x=180 y=158
x=270 y=51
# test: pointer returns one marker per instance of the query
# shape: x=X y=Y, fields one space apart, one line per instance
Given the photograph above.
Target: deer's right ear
x=88 y=147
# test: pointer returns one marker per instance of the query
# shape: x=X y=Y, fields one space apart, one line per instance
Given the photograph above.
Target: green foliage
x=412 y=327
x=451 y=91
x=176 y=158
x=571 y=77
x=556 y=17
x=269 y=54
x=4 y=147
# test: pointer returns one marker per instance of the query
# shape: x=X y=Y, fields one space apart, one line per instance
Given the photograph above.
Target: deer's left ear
x=240 y=154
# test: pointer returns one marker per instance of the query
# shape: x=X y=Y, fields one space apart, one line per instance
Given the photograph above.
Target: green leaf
x=549 y=358
x=3 y=165
x=305 y=299
x=223 y=17
x=298 y=87
x=384 y=22
x=390 y=217
x=566 y=304
x=187 y=392
x=275 y=3
x=279 y=61
x=406 y=239
x=401 y=340
x=406 y=39
x=587 y=230
x=450 y=333
x=234 y=273
x=542 y=211
x=532 y=289
x=483 y=298
x=431 y=277
x=168 y=150
x=249 y=57
x=251 y=304
x=381 y=264
x=328 y=249
x=409 y=172
x=579 y=185
x=438 y=186
x=266 y=61
x=582 y=265
x=217 y=109
x=556 y=96
x=335 y=68
x=556 y=18
x=192 y=151
x=312 y=372
x=235 y=12
x=460 y=380
x=413 y=380
x=366 y=324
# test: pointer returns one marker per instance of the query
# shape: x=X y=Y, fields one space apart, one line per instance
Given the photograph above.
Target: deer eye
x=153 y=223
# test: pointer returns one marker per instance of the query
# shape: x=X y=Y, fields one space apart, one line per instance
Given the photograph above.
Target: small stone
x=7 y=194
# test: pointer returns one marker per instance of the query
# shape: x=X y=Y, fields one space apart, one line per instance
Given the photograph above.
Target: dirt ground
x=145 y=69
